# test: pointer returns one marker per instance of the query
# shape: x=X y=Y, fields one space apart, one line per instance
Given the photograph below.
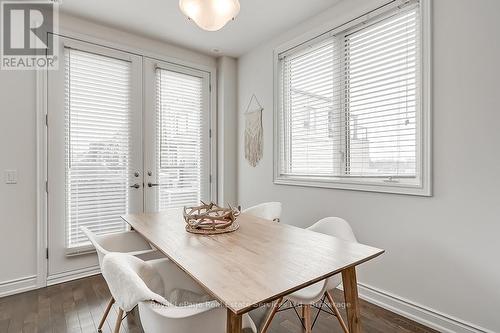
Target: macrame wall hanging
x=253 y=132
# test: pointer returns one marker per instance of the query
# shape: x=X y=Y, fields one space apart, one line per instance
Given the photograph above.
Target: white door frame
x=41 y=178
x=41 y=144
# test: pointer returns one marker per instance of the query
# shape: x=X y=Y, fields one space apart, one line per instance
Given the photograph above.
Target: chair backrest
x=268 y=210
x=132 y=280
x=337 y=227
x=96 y=242
x=124 y=242
x=334 y=226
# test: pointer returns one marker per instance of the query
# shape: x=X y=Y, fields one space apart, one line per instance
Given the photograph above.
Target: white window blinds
x=381 y=64
x=182 y=143
x=98 y=116
x=310 y=144
x=348 y=102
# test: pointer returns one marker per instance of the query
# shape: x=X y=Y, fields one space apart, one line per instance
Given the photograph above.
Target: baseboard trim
x=417 y=312
x=17 y=286
x=72 y=275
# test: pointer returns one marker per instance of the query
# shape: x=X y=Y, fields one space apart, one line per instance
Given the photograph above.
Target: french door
x=126 y=134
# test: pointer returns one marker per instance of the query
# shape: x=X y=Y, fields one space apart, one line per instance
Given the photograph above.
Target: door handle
x=152 y=184
x=135 y=186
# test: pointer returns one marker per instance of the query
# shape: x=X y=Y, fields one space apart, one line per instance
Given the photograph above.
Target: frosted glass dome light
x=210 y=15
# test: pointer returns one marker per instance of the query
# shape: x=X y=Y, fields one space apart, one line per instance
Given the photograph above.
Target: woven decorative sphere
x=210 y=219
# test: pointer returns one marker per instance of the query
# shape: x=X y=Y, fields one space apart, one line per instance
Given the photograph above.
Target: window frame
x=423 y=187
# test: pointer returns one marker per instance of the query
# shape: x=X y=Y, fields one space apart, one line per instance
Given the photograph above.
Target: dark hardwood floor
x=77 y=306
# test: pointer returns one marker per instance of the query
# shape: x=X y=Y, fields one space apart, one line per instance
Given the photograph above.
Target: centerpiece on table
x=211 y=219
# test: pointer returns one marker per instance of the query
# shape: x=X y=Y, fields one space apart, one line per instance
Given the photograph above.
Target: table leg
x=233 y=322
x=351 y=299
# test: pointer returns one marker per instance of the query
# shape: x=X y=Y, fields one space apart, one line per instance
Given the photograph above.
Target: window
x=98 y=143
x=350 y=112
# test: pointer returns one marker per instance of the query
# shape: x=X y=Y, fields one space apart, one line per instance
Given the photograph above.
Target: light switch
x=10 y=176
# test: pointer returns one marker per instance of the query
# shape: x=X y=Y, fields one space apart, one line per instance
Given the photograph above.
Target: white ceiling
x=258 y=21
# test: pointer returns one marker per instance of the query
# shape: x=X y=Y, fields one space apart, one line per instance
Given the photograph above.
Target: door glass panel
x=181 y=142
x=98 y=143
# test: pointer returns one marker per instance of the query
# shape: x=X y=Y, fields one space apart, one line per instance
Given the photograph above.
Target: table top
x=258 y=263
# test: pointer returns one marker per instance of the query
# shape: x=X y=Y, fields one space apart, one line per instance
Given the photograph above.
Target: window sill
x=378 y=185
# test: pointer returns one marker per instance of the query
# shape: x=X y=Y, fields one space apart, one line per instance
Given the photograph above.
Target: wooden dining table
x=257 y=264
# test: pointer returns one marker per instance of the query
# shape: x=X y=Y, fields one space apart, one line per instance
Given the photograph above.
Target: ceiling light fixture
x=210 y=15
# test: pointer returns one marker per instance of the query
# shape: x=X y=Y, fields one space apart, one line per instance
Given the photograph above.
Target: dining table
x=259 y=263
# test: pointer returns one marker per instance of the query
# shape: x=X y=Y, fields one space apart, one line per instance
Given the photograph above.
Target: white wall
x=17 y=202
x=74 y=24
x=18 y=151
x=442 y=252
x=227 y=118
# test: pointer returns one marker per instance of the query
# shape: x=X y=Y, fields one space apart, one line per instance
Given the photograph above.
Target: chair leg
x=105 y=315
x=271 y=315
x=337 y=312
x=307 y=317
x=118 y=321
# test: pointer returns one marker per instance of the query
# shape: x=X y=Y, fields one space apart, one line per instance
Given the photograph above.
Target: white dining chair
x=267 y=210
x=124 y=242
x=169 y=300
x=323 y=290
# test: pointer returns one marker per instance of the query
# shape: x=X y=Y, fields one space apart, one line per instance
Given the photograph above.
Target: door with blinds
x=95 y=164
x=126 y=134
x=177 y=136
